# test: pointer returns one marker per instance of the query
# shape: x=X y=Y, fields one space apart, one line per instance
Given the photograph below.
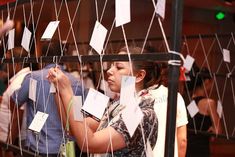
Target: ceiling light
x=228 y=2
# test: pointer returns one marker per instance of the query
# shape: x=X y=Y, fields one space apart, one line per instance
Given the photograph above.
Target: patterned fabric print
x=136 y=143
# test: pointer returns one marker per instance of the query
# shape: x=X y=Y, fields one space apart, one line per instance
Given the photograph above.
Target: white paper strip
x=122 y=12
x=50 y=30
x=192 y=109
x=26 y=39
x=98 y=37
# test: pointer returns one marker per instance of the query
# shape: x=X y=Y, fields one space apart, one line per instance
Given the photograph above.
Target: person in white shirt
x=9 y=124
x=160 y=94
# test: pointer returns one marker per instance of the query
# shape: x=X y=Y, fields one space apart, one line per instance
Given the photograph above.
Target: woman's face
x=115 y=73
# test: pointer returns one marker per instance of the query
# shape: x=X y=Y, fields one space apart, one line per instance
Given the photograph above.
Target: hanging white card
x=160 y=8
x=127 y=89
x=219 y=108
x=149 y=151
x=132 y=116
x=26 y=39
x=38 y=121
x=192 y=109
x=122 y=12
x=50 y=30
x=77 y=106
x=226 y=55
x=188 y=62
x=52 y=88
x=98 y=37
x=11 y=39
x=95 y=103
x=32 y=89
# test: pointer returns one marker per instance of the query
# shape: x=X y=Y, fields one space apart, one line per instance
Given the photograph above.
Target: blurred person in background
x=207 y=119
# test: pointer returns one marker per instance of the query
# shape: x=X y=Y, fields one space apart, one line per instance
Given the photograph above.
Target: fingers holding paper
x=56 y=76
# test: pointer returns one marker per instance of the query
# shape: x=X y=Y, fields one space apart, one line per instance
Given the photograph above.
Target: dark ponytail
x=197 y=77
x=152 y=69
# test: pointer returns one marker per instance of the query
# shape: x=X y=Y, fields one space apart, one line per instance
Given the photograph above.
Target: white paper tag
x=32 y=89
x=149 y=151
x=219 y=108
x=132 y=116
x=77 y=106
x=26 y=39
x=122 y=12
x=160 y=8
x=98 y=37
x=50 y=30
x=38 y=121
x=192 y=109
x=52 y=88
x=11 y=39
x=127 y=90
x=226 y=55
x=188 y=62
x=95 y=103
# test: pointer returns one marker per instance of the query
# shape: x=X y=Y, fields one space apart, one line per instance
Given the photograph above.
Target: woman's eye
x=119 y=67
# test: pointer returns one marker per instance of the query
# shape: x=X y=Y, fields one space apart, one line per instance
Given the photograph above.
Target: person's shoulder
x=159 y=90
x=211 y=102
x=207 y=100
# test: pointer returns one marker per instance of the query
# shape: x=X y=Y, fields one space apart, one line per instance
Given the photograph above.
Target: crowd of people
x=110 y=135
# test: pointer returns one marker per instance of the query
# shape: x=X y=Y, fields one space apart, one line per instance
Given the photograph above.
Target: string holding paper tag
x=176 y=62
x=229 y=75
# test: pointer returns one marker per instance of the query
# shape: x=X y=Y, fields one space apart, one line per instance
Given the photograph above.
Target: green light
x=220 y=15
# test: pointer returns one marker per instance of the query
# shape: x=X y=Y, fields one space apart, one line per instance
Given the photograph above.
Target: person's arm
x=93 y=124
x=6 y=27
x=86 y=138
x=17 y=116
x=182 y=140
x=216 y=126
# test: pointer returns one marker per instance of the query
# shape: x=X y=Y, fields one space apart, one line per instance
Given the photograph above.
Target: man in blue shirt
x=49 y=139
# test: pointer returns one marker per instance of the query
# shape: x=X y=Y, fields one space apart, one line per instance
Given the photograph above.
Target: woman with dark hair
x=110 y=136
x=207 y=119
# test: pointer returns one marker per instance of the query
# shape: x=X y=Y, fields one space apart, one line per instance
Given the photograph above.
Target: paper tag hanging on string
x=52 y=88
x=192 y=109
x=132 y=116
x=38 y=121
x=26 y=39
x=226 y=55
x=32 y=89
x=219 y=108
x=188 y=62
x=127 y=89
x=77 y=107
x=98 y=37
x=149 y=151
x=182 y=74
x=11 y=39
x=122 y=12
x=95 y=103
x=50 y=30
x=160 y=8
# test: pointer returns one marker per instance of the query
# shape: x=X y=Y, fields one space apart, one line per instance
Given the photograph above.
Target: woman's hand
x=60 y=80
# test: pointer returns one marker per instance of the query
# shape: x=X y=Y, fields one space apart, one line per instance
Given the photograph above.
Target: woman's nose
x=110 y=71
